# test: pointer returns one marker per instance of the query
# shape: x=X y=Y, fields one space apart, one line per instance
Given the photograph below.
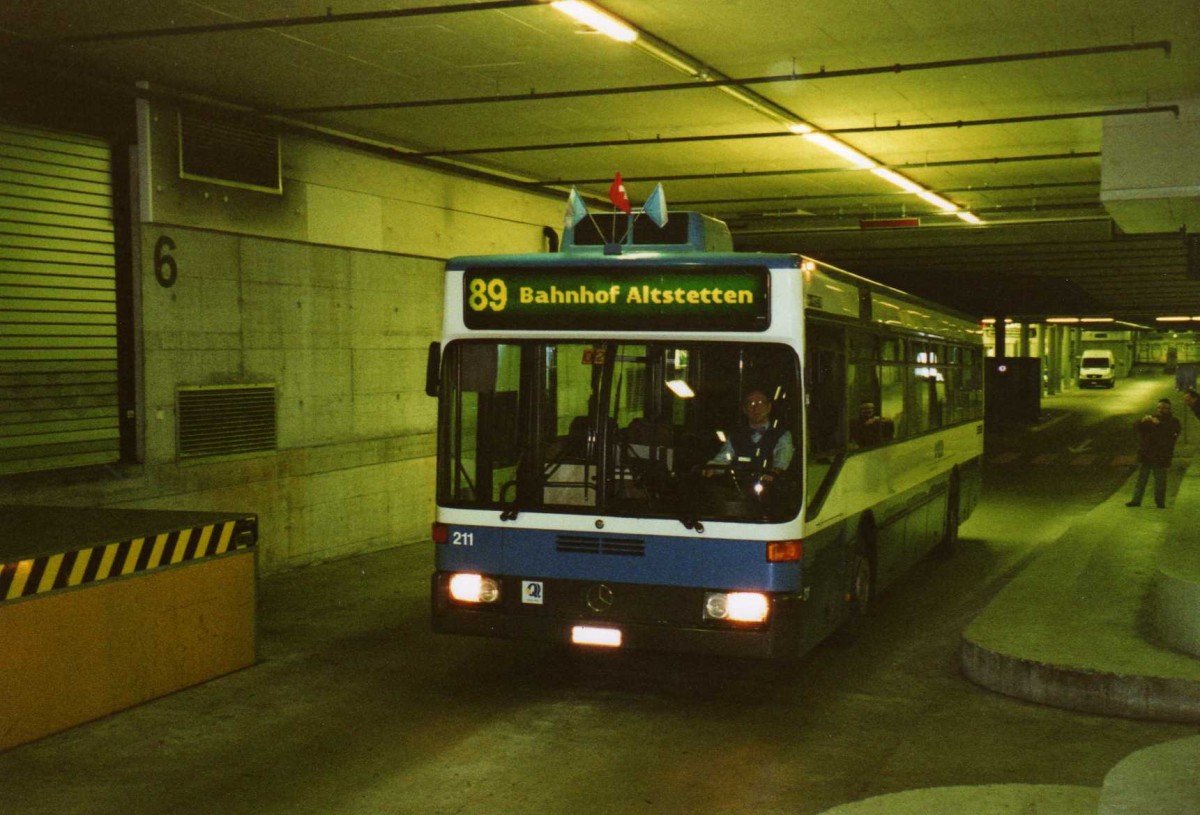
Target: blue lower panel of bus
x=650 y=559
x=660 y=618
x=652 y=588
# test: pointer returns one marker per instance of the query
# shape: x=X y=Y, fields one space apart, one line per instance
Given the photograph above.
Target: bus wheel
x=859 y=597
x=949 y=542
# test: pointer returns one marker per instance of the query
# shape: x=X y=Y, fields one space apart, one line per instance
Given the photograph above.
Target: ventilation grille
x=594 y=545
x=225 y=420
x=230 y=154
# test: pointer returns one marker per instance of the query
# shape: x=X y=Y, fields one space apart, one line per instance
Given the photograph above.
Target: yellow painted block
x=75 y=655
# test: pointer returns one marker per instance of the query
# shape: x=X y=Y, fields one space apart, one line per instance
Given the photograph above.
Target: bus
x=664 y=444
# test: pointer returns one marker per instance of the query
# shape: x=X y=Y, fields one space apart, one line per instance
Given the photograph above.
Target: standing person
x=1192 y=400
x=1157 y=435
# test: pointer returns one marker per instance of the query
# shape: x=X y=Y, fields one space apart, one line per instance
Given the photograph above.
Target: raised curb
x=1163 y=779
x=1073 y=629
x=1176 y=592
x=989 y=799
x=1131 y=696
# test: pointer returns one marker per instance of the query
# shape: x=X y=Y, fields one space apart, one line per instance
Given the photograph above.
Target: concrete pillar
x=1001 y=352
x=1050 y=363
x=1023 y=344
x=1076 y=350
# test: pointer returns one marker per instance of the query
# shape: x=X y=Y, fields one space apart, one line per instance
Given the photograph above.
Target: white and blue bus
x=669 y=445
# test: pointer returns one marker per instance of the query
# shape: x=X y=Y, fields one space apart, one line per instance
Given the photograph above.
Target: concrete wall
x=332 y=292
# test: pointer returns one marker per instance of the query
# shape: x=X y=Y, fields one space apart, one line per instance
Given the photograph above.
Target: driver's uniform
x=757 y=448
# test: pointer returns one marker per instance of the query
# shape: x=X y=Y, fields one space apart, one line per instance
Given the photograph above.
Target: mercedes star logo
x=600 y=598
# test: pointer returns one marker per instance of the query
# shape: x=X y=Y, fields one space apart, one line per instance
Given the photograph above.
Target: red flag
x=616 y=194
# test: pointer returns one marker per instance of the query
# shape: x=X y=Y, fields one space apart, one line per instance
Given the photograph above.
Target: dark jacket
x=759 y=453
x=1157 y=440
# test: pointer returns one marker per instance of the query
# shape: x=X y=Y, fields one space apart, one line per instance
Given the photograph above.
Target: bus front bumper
x=778 y=638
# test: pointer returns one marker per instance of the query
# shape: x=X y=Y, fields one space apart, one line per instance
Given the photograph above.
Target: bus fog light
x=474 y=588
x=716 y=606
x=737 y=606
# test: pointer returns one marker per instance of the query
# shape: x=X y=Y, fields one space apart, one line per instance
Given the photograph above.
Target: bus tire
x=860 y=589
x=949 y=542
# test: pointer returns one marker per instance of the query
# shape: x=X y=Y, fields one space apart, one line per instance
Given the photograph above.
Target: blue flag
x=576 y=210
x=656 y=206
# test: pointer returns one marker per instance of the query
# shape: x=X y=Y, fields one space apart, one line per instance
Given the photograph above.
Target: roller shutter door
x=58 y=323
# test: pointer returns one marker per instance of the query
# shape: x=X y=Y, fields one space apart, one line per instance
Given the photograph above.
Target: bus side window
x=891 y=398
x=825 y=386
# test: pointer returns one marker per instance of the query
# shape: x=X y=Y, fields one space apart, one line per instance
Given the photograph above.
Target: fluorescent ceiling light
x=969 y=217
x=1095 y=319
x=680 y=388
x=900 y=181
x=1172 y=319
x=841 y=149
x=590 y=16
x=799 y=128
x=937 y=200
x=1062 y=319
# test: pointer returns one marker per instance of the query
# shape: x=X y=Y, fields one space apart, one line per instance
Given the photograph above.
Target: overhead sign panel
x=696 y=298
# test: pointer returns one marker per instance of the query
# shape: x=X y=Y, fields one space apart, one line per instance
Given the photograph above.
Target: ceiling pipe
x=656 y=140
x=1049 y=185
x=709 y=83
x=1049 y=219
x=766 y=216
x=290 y=22
x=818 y=170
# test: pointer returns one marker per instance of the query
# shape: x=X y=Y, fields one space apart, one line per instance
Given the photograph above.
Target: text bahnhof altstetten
x=635 y=295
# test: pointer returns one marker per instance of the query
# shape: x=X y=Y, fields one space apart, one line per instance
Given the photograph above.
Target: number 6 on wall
x=166 y=270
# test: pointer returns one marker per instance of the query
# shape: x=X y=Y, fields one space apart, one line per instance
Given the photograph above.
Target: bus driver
x=762 y=445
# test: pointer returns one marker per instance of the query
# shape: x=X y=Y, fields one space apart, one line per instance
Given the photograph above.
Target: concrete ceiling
x=993 y=104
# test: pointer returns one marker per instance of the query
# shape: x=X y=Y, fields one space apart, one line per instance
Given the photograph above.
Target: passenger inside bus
x=869 y=430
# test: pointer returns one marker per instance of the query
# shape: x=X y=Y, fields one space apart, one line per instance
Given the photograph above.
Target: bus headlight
x=736 y=606
x=474 y=588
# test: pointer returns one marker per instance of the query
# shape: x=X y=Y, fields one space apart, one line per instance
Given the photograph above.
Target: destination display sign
x=689 y=298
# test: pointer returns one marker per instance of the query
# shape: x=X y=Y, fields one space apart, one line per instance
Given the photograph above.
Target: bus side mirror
x=433 y=369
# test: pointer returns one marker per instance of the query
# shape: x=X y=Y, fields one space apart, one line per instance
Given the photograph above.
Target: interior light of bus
x=474 y=588
x=591 y=635
x=680 y=388
x=440 y=532
x=736 y=606
x=721 y=436
x=785 y=551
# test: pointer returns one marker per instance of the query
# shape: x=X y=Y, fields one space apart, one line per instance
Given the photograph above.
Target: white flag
x=656 y=206
x=576 y=210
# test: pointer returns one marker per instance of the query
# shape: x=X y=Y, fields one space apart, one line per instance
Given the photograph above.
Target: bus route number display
x=727 y=298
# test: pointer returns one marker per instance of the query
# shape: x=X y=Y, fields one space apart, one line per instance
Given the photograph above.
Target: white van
x=1096 y=368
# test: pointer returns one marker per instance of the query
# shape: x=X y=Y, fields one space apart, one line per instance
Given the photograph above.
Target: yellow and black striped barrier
x=45 y=573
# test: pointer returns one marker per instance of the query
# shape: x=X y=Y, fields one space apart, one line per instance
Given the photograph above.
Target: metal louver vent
x=59 y=404
x=225 y=420
x=593 y=545
x=230 y=154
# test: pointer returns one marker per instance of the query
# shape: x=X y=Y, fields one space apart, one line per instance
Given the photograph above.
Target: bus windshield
x=699 y=431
